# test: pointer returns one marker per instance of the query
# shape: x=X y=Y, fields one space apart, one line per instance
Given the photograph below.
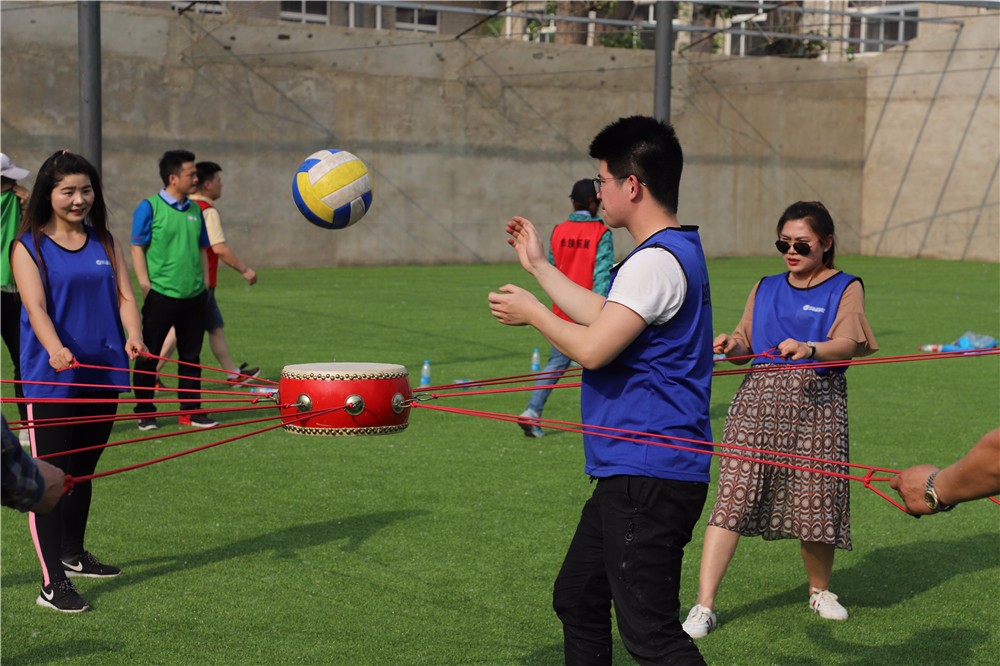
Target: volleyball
x=332 y=189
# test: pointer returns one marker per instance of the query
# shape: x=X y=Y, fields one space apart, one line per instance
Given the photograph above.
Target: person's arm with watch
x=925 y=489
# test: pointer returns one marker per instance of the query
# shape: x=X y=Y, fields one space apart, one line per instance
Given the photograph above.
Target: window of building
x=745 y=38
x=305 y=11
x=882 y=26
x=419 y=20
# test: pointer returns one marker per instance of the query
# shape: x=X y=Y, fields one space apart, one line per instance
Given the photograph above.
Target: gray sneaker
x=530 y=429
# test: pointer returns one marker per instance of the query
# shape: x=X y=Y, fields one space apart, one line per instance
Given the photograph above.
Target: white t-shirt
x=651 y=284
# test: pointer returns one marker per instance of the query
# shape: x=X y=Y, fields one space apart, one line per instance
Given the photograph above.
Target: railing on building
x=864 y=27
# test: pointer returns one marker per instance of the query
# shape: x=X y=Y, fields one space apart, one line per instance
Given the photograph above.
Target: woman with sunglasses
x=811 y=313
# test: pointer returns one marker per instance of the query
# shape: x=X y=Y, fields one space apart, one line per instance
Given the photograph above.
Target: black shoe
x=62 y=596
x=148 y=424
x=88 y=566
x=245 y=375
x=198 y=421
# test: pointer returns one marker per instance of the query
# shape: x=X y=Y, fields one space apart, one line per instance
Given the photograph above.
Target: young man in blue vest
x=169 y=256
x=583 y=250
x=646 y=351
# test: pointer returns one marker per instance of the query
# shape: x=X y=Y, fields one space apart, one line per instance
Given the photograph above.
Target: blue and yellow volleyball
x=332 y=189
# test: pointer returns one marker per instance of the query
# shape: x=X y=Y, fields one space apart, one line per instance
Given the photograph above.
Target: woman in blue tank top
x=811 y=313
x=77 y=306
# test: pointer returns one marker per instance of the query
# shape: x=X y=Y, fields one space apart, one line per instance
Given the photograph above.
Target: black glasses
x=599 y=181
x=800 y=248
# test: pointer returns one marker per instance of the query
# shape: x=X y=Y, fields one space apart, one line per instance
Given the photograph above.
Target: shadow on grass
x=943 y=645
x=282 y=543
x=891 y=576
x=47 y=652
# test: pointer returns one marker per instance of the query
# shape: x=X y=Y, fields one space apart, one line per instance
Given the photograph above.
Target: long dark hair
x=819 y=220
x=38 y=212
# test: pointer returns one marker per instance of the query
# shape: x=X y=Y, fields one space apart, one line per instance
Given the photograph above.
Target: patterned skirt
x=786 y=411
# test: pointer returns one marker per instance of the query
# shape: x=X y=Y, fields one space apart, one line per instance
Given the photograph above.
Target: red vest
x=574 y=249
x=213 y=258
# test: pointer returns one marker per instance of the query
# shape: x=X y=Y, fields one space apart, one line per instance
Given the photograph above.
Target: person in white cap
x=12 y=197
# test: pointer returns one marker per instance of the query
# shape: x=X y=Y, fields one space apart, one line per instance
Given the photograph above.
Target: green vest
x=173 y=256
x=10 y=220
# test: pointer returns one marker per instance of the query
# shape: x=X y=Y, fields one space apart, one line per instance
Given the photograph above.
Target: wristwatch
x=930 y=496
x=812 y=349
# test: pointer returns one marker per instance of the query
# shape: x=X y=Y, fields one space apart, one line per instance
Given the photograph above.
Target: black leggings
x=59 y=535
x=10 y=328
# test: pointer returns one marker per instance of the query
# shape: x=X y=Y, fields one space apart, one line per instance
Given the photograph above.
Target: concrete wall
x=459 y=134
x=932 y=147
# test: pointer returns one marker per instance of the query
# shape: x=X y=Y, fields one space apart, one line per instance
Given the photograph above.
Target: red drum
x=367 y=398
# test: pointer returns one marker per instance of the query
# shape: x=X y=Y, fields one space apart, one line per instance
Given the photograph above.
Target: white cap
x=10 y=170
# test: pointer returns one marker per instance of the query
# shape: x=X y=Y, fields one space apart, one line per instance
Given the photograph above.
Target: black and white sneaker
x=197 y=421
x=63 y=597
x=246 y=373
x=148 y=424
x=88 y=566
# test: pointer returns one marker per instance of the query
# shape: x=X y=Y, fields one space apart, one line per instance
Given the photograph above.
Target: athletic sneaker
x=699 y=622
x=148 y=424
x=88 y=566
x=197 y=421
x=24 y=436
x=62 y=596
x=530 y=429
x=244 y=376
x=825 y=603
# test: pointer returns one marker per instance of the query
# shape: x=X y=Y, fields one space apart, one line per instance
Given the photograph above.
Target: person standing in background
x=209 y=191
x=169 y=243
x=12 y=198
x=583 y=249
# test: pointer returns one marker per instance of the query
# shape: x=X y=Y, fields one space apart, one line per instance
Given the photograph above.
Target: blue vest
x=661 y=383
x=781 y=311
x=82 y=301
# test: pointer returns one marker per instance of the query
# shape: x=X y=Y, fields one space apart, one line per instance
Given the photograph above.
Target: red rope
x=71 y=481
x=859 y=361
x=569 y=426
x=74 y=420
x=122 y=389
x=239 y=376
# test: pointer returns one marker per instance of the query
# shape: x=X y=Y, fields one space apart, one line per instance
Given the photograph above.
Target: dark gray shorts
x=213 y=316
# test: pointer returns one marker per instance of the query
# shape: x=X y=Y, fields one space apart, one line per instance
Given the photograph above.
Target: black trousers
x=187 y=316
x=10 y=328
x=628 y=548
x=59 y=535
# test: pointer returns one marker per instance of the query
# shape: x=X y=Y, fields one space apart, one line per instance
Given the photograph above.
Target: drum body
x=344 y=398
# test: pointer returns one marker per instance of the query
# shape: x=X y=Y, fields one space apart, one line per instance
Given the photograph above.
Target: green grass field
x=439 y=545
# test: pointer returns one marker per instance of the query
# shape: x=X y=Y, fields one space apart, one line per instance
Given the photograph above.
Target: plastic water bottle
x=929 y=348
x=536 y=361
x=425 y=374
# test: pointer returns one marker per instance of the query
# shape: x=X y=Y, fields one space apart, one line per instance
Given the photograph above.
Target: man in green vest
x=169 y=242
x=12 y=198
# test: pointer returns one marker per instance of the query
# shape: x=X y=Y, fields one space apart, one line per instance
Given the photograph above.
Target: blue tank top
x=781 y=311
x=661 y=383
x=82 y=301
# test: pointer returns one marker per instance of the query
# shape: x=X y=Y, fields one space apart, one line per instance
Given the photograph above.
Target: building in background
x=827 y=29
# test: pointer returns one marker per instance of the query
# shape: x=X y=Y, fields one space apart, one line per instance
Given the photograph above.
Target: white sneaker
x=825 y=603
x=699 y=622
x=24 y=436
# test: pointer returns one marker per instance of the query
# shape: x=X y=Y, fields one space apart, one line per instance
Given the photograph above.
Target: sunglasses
x=800 y=248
